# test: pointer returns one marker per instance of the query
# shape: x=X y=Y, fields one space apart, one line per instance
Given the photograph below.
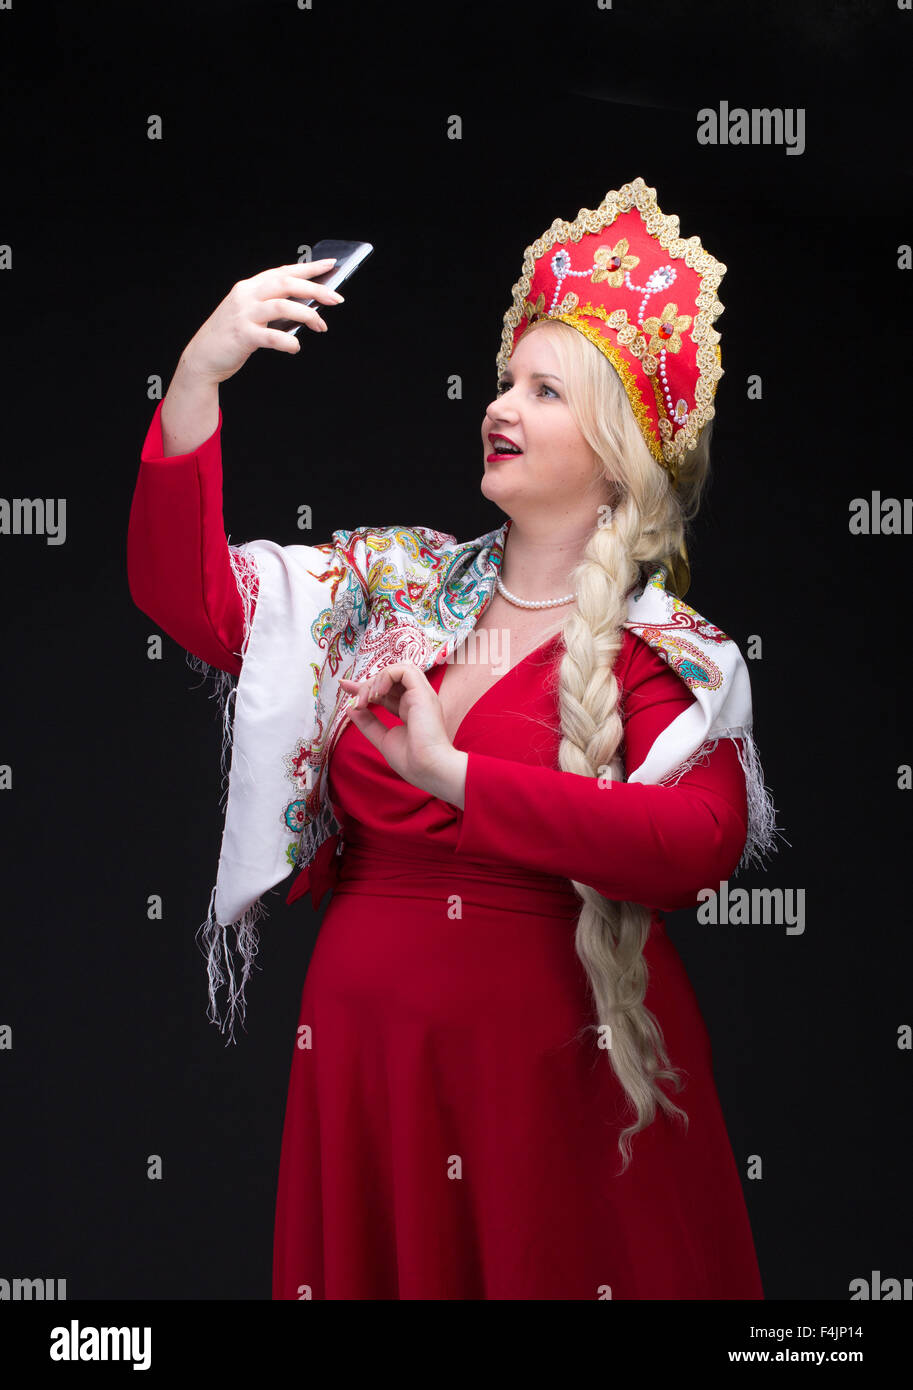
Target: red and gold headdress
x=645 y=297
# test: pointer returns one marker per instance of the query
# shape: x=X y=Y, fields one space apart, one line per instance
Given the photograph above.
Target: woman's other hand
x=418 y=749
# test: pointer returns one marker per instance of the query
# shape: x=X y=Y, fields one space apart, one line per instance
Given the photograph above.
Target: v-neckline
x=490 y=690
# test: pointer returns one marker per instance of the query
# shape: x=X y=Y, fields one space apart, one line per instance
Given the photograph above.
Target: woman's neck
x=539 y=560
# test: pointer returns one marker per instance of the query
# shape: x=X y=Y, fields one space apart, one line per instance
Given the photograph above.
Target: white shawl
x=369 y=598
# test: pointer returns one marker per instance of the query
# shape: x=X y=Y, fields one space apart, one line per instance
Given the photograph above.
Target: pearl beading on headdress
x=560 y=275
x=678 y=413
x=662 y=278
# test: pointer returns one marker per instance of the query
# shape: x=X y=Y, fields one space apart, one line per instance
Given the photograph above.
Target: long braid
x=644 y=528
x=610 y=936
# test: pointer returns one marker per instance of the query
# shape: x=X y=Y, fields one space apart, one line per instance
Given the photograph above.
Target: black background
x=282 y=126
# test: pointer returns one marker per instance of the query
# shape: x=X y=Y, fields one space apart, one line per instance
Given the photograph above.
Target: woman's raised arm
x=178 y=566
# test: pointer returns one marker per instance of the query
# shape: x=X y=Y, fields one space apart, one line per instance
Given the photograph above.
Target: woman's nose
x=500 y=406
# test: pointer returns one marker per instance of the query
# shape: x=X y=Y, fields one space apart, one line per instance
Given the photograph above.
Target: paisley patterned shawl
x=376 y=596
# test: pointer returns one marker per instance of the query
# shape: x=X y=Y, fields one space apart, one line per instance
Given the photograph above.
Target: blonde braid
x=610 y=936
x=646 y=529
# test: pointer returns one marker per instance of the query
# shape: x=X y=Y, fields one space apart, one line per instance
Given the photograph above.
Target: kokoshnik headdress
x=647 y=299
x=377 y=596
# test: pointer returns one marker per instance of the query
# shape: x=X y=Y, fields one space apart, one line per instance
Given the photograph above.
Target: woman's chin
x=492 y=486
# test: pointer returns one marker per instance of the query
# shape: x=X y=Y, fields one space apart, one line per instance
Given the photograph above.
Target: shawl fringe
x=762 y=833
x=220 y=968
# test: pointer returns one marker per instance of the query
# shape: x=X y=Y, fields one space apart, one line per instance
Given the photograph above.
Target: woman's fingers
x=367 y=692
x=377 y=689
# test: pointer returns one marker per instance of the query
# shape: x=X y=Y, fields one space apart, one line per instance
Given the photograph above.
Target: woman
x=493 y=1011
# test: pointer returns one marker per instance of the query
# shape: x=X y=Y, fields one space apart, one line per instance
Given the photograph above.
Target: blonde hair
x=648 y=522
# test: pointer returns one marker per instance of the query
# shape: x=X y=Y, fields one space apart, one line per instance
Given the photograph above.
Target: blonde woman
x=505 y=759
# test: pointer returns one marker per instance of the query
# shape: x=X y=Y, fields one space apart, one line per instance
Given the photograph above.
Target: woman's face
x=556 y=464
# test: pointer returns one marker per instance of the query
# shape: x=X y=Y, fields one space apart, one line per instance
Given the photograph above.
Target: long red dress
x=450 y=1131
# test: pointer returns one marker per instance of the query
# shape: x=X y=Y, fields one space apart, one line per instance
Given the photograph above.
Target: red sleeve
x=178 y=566
x=633 y=842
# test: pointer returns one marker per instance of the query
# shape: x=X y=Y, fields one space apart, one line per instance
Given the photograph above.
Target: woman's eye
x=506 y=385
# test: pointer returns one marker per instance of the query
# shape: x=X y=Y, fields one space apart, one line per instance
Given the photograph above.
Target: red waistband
x=372 y=862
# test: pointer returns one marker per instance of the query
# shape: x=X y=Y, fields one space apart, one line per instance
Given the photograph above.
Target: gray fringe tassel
x=215 y=947
x=761 y=839
x=762 y=813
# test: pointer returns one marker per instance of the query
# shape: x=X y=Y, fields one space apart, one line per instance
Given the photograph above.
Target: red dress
x=450 y=1131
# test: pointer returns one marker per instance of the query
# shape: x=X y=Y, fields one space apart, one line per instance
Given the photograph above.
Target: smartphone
x=349 y=256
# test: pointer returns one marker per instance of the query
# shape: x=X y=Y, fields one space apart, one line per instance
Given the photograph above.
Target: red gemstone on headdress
x=666 y=330
x=615 y=262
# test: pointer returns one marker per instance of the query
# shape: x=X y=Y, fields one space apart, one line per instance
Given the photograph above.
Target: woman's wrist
x=190 y=410
x=448 y=783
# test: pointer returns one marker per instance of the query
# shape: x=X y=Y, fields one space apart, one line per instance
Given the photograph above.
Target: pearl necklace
x=529 y=603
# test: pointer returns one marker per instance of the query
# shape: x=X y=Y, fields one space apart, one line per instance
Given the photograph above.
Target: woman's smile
x=503 y=448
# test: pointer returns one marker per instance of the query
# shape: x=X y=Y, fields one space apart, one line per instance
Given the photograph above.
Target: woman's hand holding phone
x=240 y=325
x=234 y=330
